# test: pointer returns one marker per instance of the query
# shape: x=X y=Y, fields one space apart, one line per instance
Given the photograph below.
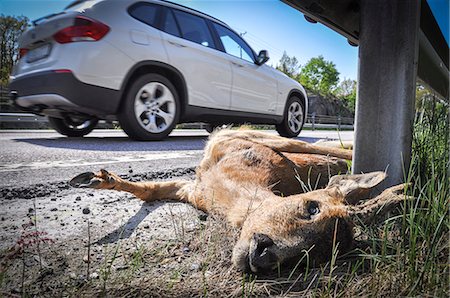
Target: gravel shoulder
x=57 y=240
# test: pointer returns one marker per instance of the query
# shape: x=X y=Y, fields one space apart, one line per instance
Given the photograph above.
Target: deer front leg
x=146 y=191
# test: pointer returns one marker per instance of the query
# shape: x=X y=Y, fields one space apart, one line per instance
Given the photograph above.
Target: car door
x=254 y=87
x=192 y=50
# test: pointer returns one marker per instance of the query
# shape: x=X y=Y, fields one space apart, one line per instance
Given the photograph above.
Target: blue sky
x=266 y=24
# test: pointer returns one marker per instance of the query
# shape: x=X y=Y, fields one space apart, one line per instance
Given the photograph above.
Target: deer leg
x=283 y=144
x=147 y=191
x=295 y=146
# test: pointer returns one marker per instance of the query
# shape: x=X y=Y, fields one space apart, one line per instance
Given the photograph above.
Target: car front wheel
x=293 y=118
x=73 y=127
x=151 y=108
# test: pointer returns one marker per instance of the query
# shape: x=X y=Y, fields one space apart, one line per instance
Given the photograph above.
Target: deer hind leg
x=283 y=144
x=179 y=190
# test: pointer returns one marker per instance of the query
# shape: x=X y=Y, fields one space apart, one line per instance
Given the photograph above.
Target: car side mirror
x=263 y=57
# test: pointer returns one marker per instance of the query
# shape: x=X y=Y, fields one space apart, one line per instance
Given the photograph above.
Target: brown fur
x=252 y=179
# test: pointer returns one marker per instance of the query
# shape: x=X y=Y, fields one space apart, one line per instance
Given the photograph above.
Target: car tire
x=293 y=118
x=72 y=128
x=151 y=108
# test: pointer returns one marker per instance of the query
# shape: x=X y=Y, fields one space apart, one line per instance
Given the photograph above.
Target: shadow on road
x=127 y=229
x=175 y=143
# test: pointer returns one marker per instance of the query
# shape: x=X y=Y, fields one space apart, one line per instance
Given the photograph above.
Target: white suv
x=149 y=65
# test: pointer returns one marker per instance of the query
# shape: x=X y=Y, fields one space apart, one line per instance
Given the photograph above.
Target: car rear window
x=194 y=28
x=146 y=13
x=170 y=25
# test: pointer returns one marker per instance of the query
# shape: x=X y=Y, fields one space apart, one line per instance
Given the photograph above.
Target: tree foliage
x=289 y=65
x=319 y=75
x=11 y=28
x=346 y=91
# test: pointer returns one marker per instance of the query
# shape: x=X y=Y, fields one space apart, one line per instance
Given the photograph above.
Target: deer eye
x=313 y=208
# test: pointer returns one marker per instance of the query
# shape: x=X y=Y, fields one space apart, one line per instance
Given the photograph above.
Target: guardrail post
x=339 y=122
x=313 y=118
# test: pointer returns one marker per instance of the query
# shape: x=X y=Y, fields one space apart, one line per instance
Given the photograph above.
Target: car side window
x=170 y=25
x=233 y=43
x=145 y=12
x=194 y=28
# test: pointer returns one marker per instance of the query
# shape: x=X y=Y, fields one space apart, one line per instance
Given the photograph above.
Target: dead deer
x=252 y=178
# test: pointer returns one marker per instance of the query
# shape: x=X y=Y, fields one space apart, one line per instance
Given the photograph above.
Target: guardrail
x=21 y=117
x=313 y=121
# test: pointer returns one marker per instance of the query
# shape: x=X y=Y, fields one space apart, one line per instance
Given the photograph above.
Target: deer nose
x=261 y=258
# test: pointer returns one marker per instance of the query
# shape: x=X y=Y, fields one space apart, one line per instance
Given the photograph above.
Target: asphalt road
x=38 y=157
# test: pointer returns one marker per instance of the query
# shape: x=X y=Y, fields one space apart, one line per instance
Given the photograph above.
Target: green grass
x=425 y=230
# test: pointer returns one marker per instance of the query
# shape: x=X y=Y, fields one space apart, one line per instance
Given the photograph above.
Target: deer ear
x=356 y=187
x=380 y=205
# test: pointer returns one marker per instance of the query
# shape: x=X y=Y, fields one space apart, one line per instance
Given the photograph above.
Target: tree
x=289 y=65
x=11 y=28
x=347 y=92
x=319 y=75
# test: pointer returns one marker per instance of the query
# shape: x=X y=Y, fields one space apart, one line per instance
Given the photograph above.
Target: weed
x=105 y=271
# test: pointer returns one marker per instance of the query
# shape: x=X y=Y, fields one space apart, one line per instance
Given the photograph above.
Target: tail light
x=83 y=29
x=22 y=52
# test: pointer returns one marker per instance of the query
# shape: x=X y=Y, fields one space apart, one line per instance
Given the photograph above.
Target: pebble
x=86 y=210
x=203 y=217
x=186 y=249
x=195 y=267
x=54 y=209
x=53 y=199
x=123 y=267
x=94 y=275
x=78 y=199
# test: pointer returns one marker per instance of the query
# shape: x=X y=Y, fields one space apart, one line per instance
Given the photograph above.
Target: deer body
x=252 y=179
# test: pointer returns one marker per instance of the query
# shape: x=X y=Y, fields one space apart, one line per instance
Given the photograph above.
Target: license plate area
x=39 y=53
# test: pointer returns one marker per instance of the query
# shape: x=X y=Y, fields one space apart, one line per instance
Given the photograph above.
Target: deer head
x=311 y=224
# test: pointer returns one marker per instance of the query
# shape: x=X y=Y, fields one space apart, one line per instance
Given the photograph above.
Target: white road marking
x=80 y=162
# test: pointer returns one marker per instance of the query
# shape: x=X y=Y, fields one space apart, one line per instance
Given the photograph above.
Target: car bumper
x=52 y=90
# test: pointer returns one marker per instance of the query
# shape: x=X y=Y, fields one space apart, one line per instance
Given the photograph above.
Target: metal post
x=388 y=53
x=313 y=116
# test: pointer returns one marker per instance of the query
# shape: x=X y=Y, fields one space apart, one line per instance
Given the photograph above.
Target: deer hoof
x=85 y=180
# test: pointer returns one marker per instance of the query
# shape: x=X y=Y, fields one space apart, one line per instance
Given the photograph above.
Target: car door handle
x=177 y=44
x=237 y=64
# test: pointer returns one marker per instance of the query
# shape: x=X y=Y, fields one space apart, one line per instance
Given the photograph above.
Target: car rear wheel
x=72 y=127
x=151 y=108
x=293 y=118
